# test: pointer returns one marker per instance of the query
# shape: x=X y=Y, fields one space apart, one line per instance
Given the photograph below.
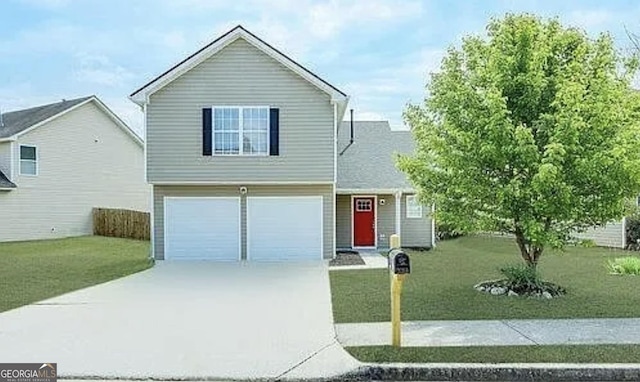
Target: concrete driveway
x=188 y=320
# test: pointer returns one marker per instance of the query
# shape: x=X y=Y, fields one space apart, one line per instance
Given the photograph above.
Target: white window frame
x=20 y=160
x=413 y=212
x=240 y=130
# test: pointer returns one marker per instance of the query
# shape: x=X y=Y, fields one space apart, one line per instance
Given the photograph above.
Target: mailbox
x=399 y=262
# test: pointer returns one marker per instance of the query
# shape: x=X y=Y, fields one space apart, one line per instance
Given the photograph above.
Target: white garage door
x=202 y=228
x=284 y=228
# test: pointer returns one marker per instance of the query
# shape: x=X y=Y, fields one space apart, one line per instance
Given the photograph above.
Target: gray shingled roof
x=5 y=182
x=370 y=161
x=16 y=121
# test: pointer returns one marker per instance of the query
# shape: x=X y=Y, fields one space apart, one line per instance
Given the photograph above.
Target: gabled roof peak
x=141 y=95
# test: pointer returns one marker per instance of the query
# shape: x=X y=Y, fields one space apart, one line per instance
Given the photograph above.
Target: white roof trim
x=98 y=103
x=141 y=96
x=373 y=191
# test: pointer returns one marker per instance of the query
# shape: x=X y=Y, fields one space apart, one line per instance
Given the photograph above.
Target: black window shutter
x=206 y=131
x=274 y=132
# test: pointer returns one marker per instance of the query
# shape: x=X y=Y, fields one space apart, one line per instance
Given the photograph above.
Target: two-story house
x=59 y=161
x=249 y=160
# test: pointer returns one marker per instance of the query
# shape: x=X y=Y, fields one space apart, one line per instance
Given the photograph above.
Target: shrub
x=629 y=265
x=445 y=232
x=521 y=276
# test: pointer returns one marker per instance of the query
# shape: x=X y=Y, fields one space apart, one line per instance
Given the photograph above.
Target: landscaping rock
x=496 y=291
x=512 y=293
x=546 y=295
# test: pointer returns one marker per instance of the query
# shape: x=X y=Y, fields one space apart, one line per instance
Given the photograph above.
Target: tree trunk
x=530 y=253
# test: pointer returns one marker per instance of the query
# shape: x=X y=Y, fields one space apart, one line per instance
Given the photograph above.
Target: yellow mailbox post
x=399 y=268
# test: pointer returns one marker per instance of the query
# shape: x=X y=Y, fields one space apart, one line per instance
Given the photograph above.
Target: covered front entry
x=364 y=221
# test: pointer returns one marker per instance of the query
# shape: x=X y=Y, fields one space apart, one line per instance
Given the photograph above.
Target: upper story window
x=28 y=160
x=414 y=209
x=241 y=130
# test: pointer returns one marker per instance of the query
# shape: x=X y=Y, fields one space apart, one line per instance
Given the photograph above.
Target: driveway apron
x=186 y=320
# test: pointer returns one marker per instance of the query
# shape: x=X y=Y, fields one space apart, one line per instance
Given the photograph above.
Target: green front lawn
x=36 y=270
x=440 y=286
x=501 y=354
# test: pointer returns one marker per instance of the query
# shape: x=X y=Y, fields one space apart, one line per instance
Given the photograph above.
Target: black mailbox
x=399 y=262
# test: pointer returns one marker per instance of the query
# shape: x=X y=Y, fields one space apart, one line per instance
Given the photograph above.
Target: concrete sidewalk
x=495 y=332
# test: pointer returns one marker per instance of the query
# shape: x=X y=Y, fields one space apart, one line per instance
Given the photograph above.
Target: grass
x=31 y=271
x=440 y=285
x=501 y=354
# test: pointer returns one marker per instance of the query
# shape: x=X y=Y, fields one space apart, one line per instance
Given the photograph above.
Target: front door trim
x=375 y=220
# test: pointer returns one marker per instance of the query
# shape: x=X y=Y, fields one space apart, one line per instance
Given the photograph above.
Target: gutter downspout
x=351 y=139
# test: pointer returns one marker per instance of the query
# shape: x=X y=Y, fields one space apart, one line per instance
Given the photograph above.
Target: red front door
x=364 y=222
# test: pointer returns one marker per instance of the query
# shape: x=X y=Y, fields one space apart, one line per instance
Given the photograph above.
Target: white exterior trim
x=433 y=226
x=12 y=160
x=164 y=206
x=37 y=160
x=398 y=199
x=240 y=130
x=360 y=191
x=142 y=95
x=624 y=232
x=247 y=183
x=415 y=197
x=375 y=221
x=98 y=103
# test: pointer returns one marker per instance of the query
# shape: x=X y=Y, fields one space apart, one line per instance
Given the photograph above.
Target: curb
x=495 y=372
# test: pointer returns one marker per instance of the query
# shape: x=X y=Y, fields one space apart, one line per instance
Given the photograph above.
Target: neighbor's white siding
x=5 y=159
x=84 y=161
x=610 y=235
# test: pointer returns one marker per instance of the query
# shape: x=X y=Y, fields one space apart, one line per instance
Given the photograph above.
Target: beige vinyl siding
x=611 y=235
x=5 y=159
x=326 y=191
x=84 y=160
x=343 y=221
x=386 y=219
x=415 y=232
x=240 y=75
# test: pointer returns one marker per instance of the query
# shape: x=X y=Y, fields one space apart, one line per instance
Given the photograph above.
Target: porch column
x=433 y=226
x=398 y=200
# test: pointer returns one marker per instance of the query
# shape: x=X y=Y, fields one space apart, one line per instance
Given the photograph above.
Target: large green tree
x=531 y=130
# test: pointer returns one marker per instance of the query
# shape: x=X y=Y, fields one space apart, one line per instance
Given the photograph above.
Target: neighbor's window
x=414 y=209
x=28 y=160
x=240 y=130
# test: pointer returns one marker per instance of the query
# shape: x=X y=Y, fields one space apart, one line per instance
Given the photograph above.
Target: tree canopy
x=531 y=130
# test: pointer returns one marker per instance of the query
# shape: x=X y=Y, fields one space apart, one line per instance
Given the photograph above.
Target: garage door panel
x=284 y=228
x=202 y=228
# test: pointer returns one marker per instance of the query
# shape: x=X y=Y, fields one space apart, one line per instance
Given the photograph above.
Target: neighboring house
x=611 y=235
x=243 y=156
x=58 y=161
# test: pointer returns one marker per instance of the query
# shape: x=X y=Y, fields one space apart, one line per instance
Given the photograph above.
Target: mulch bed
x=346 y=259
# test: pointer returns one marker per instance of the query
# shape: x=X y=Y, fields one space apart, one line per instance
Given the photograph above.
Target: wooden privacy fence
x=121 y=223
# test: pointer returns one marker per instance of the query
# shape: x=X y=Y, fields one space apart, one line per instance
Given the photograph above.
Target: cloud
x=590 y=18
x=99 y=70
x=385 y=91
x=50 y=4
x=328 y=19
x=127 y=111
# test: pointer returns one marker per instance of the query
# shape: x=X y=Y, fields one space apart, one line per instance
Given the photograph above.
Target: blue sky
x=378 y=51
